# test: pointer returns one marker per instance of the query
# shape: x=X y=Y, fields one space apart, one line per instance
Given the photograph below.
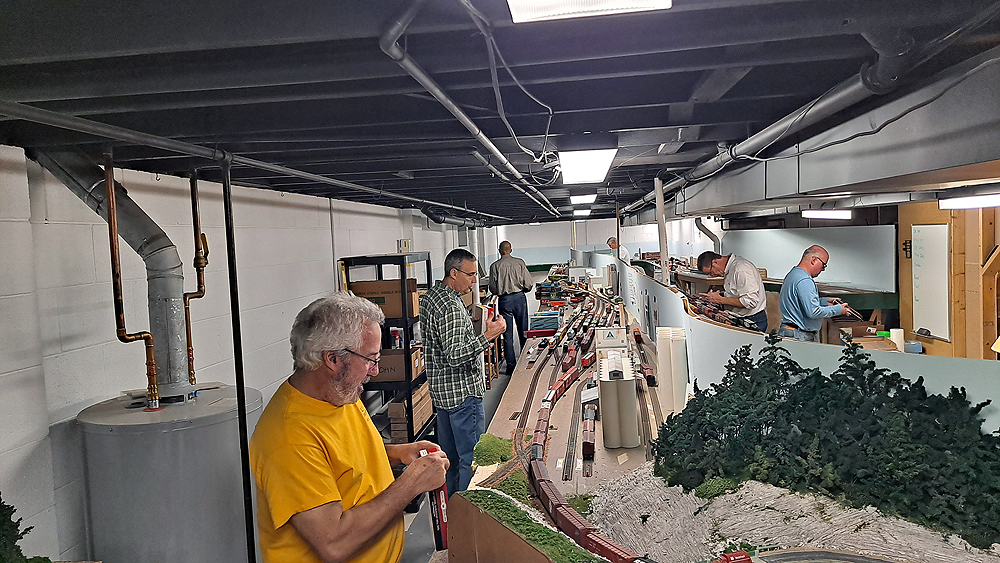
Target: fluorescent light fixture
x=971 y=202
x=827 y=214
x=522 y=11
x=581 y=212
x=579 y=199
x=587 y=166
x=534 y=224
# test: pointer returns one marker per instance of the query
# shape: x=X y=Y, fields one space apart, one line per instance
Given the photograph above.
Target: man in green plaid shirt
x=452 y=350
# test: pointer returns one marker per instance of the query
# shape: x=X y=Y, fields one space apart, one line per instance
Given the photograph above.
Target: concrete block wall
x=26 y=465
x=58 y=349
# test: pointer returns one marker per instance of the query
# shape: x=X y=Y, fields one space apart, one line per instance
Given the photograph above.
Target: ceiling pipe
x=716 y=243
x=390 y=46
x=439 y=218
x=72 y=123
x=493 y=169
x=896 y=56
x=164 y=270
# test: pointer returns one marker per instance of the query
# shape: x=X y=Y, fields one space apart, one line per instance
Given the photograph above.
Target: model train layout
x=570 y=359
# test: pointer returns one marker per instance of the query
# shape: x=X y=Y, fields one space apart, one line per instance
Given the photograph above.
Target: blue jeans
x=458 y=431
x=759 y=319
x=802 y=335
x=514 y=308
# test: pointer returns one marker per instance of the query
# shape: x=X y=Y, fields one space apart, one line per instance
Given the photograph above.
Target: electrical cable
x=494 y=52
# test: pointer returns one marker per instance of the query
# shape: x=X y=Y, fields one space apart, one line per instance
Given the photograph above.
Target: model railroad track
x=644 y=417
x=569 y=461
x=654 y=398
x=520 y=459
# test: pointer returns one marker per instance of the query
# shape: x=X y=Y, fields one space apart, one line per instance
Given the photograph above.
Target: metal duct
x=716 y=243
x=438 y=217
x=389 y=45
x=896 y=56
x=164 y=272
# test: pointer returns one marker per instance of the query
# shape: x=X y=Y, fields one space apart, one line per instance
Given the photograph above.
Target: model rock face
x=864 y=434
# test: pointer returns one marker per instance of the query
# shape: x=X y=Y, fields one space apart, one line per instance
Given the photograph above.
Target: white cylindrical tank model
x=167 y=485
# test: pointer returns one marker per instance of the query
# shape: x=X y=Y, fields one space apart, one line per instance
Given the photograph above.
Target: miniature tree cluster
x=10 y=534
x=864 y=435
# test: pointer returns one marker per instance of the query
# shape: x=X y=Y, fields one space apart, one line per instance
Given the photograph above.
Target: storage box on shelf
x=422 y=411
x=388 y=296
x=392 y=365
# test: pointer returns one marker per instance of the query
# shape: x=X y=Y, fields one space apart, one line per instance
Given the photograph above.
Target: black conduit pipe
x=241 y=394
x=73 y=123
x=451 y=220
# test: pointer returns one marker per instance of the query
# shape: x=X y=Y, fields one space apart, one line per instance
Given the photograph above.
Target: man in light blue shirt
x=802 y=309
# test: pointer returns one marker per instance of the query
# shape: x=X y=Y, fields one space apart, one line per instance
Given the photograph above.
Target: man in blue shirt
x=802 y=309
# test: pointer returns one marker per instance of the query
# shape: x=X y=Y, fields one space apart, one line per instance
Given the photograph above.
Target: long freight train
x=565 y=517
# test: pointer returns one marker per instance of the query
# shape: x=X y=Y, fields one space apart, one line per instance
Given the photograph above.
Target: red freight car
x=588 y=439
x=570 y=378
x=588 y=359
x=537 y=471
x=571 y=523
x=647 y=372
x=569 y=360
x=549 y=496
x=734 y=557
x=600 y=545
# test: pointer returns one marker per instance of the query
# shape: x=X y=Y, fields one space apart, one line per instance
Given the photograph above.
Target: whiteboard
x=930 y=279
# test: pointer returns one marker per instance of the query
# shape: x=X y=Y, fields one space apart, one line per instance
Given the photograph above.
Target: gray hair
x=814 y=250
x=612 y=240
x=455 y=258
x=335 y=322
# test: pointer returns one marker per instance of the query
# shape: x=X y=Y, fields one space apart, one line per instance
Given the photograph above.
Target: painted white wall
x=779 y=250
x=549 y=242
x=58 y=349
x=709 y=346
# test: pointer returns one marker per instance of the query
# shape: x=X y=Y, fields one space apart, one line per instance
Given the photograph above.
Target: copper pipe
x=200 y=261
x=152 y=393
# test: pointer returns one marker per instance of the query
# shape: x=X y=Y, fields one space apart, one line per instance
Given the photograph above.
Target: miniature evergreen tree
x=10 y=534
x=864 y=435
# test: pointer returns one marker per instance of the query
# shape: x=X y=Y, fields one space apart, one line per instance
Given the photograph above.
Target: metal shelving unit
x=406 y=322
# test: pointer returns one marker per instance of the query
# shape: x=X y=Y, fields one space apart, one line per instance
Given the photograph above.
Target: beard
x=346 y=392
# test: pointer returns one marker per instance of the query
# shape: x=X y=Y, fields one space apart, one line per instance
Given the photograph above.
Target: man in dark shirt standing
x=509 y=280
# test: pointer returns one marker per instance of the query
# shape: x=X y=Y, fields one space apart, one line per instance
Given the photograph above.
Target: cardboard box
x=876 y=343
x=385 y=294
x=834 y=329
x=422 y=411
x=392 y=366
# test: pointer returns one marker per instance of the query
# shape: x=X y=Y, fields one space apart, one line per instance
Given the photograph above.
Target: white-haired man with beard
x=325 y=489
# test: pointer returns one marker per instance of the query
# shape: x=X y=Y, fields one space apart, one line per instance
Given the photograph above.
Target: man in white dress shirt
x=742 y=285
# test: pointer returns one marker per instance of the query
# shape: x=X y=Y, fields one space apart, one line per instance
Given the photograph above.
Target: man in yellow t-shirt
x=325 y=490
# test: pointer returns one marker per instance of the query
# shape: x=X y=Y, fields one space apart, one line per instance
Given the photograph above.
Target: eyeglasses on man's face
x=371 y=362
x=821 y=262
x=470 y=274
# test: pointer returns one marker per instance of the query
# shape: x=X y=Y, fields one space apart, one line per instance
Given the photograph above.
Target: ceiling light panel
x=522 y=11
x=582 y=199
x=971 y=202
x=586 y=167
x=827 y=214
x=581 y=212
